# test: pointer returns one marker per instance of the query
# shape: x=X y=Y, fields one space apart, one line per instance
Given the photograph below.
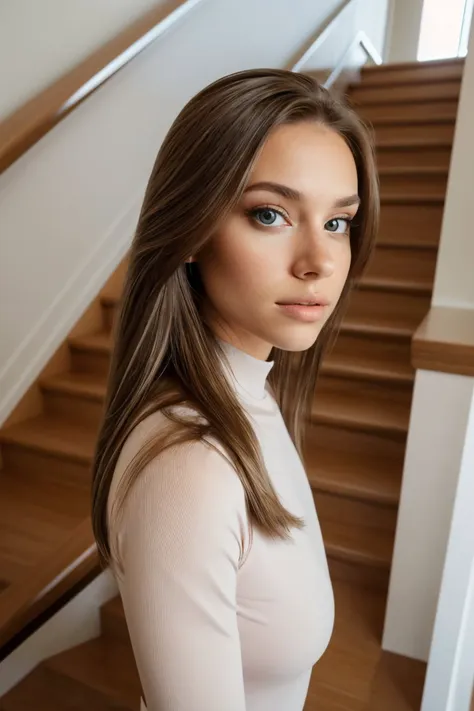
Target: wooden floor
x=354 y=674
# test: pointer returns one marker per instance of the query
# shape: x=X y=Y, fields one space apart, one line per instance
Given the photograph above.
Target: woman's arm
x=180 y=543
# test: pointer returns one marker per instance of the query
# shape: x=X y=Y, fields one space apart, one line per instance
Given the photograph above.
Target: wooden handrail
x=23 y=601
x=445 y=341
x=24 y=127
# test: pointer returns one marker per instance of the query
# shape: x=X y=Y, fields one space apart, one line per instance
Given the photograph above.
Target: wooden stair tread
x=413 y=170
x=411 y=198
x=53 y=435
x=339 y=408
x=372 y=326
x=409 y=246
x=110 y=299
x=98 y=342
x=361 y=476
x=395 y=284
x=114 y=606
x=30 y=527
x=400 y=82
x=368 y=546
x=411 y=120
x=26 y=499
x=108 y=668
x=367 y=366
x=88 y=385
x=413 y=143
x=415 y=64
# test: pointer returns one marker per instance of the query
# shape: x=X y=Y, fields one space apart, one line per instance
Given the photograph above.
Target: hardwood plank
x=79 y=397
x=366 y=476
x=58 y=436
x=91 y=354
x=35 y=515
x=357 y=544
x=409 y=112
x=358 y=357
x=106 y=668
x=365 y=406
x=416 y=92
x=44 y=690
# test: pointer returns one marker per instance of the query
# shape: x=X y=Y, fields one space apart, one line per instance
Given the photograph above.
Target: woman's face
x=286 y=242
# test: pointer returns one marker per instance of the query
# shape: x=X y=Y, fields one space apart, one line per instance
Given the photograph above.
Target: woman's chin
x=298 y=339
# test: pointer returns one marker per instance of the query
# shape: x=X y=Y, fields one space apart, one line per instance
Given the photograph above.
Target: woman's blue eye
x=267 y=216
x=338 y=224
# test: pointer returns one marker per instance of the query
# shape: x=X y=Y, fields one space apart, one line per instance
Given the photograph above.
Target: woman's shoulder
x=189 y=481
x=192 y=466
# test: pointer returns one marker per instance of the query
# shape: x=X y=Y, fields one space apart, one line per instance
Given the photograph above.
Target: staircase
x=358 y=427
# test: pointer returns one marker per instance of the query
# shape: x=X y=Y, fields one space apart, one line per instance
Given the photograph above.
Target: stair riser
x=54 y=468
x=343 y=510
x=81 y=410
x=387 y=352
x=421 y=73
x=437 y=109
x=371 y=391
x=414 y=157
x=90 y=361
x=410 y=183
x=413 y=132
x=109 y=312
x=364 y=575
x=114 y=627
x=358 y=443
x=411 y=224
x=389 y=308
x=406 y=93
x=410 y=265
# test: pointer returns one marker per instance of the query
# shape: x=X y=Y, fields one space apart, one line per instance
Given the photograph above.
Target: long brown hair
x=165 y=354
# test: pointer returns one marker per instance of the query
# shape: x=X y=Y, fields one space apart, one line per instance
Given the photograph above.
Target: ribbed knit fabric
x=219 y=619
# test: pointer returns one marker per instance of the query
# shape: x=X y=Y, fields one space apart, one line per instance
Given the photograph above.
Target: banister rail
x=444 y=341
x=360 y=39
x=25 y=600
x=24 y=127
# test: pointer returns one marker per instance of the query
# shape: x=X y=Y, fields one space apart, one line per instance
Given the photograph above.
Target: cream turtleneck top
x=222 y=618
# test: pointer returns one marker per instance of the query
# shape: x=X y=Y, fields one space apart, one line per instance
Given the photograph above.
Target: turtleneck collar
x=248 y=373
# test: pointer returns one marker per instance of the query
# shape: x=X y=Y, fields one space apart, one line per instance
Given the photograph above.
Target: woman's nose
x=315 y=259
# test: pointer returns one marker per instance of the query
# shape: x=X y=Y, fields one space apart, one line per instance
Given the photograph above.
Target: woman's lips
x=304 y=312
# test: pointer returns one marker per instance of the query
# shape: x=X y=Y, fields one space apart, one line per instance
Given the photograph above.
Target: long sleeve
x=180 y=540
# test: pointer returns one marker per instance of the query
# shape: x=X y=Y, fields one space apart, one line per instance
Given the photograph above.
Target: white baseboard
x=75 y=623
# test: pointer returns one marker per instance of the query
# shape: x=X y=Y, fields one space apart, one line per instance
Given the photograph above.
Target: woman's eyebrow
x=278 y=188
x=292 y=194
x=347 y=201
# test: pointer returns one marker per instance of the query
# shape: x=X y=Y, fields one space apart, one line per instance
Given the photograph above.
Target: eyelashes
x=267 y=211
x=267 y=216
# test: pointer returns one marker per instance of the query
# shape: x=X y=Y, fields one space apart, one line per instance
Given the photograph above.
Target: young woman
x=260 y=212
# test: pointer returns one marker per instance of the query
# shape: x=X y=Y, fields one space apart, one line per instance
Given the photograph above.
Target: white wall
x=69 y=205
x=40 y=41
x=405 y=24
